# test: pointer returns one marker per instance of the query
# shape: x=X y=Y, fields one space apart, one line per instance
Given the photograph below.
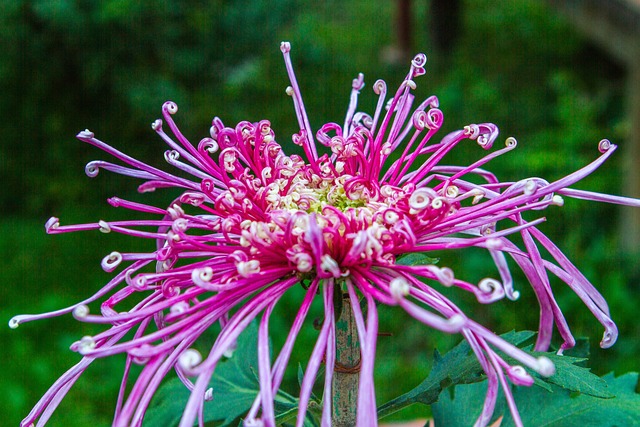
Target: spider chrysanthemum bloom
x=253 y=222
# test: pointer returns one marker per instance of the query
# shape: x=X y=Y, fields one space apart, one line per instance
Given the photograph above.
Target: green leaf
x=571 y=372
x=458 y=366
x=538 y=407
x=300 y=374
x=573 y=377
x=462 y=408
x=417 y=258
x=581 y=349
x=563 y=408
x=235 y=387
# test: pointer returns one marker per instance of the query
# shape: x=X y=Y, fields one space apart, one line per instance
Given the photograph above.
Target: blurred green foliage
x=109 y=66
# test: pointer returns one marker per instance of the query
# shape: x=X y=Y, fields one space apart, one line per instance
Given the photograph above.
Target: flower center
x=328 y=222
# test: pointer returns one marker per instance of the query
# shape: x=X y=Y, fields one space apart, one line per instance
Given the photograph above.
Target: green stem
x=346 y=374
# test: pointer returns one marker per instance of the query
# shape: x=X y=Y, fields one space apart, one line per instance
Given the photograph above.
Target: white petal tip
x=51 y=224
x=285 y=47
x=189 y=359
x=81 y=311
x=399 y=288
x=457 y=321
x=545 y=366
x=14 y=322
x=85 y=134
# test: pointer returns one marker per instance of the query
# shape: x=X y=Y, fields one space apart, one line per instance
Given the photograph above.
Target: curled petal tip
x=190 y=359
x=194 y=199
x=248 y=268
x=85 y=134
x=358 y=82
x=92 y=169
x=609 y=337
x=410 y=83
x=472 y=131
x=14 y=322
x=157 y=125
x=419 y=60
x=511 y=142
x=485 y=141
x=179 y=308
x=434 y=118
x=457 y=321
x=171 y=155
x=209 y=145
x=170 y=107
x=419 y=120
x=202 y=276
x=379 y=87
x=104 y=227
x=513 y=295
x=445 y=276
x=51 y=224
x=417 y=65
x=111 y=261
x=519 y=376
x=81 y=311
x=545 y=366
x=604 y=145
x=491 y=290
x=208 y=395
x=139 y=283
x=530 y=187
x=285 y=47
x=84 y=346
x=399 y=288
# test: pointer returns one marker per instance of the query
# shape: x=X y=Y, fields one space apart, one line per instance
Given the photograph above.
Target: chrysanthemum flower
x=253 y=222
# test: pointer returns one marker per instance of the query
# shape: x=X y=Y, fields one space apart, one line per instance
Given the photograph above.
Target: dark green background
x=109 y=66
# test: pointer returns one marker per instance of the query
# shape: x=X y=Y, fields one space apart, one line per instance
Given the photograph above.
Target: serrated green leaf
x=463 y=407
x=540 y=382
x=571 y=372
x=561 y=408
x=458 y=366
x=538 y=407
x=573 y=377
x=235 y=387
x=417 y=258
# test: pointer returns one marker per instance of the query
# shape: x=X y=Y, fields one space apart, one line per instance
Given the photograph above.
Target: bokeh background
x=109 y=65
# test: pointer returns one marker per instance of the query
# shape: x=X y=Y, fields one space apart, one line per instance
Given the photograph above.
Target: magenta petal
x=251 y=222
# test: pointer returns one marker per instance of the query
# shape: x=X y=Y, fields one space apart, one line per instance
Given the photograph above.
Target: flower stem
x=347 y=369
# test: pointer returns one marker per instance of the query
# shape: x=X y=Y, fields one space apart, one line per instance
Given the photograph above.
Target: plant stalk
x=346 y=373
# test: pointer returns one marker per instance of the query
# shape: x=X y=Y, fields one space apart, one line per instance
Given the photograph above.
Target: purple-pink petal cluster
x=252 y=222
